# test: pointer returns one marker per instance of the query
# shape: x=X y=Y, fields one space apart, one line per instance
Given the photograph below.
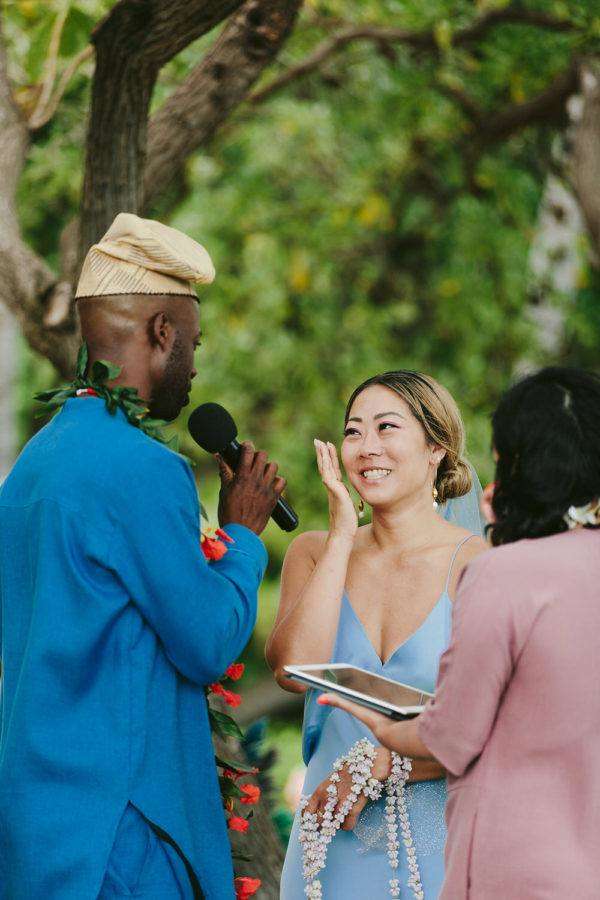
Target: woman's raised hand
x=343 y=520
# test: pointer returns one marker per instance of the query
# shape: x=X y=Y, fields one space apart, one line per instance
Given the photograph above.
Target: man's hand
x=248 y=495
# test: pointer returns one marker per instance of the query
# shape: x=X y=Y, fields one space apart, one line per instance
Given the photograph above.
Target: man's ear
x=160 y=331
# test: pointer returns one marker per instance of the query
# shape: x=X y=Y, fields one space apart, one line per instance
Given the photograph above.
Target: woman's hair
x=436 y=411
x=546 y=432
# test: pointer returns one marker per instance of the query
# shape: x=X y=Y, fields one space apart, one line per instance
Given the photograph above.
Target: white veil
x=465 y=511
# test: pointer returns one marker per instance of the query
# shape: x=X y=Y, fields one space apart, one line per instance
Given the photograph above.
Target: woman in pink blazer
x=516 y=715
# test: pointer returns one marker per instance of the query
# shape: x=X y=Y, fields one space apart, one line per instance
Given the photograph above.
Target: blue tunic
x=357 y=865
x=111 y=624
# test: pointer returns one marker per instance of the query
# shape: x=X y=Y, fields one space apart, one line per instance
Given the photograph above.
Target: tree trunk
x=8 y=375
x=586 y=155
x=194 y=112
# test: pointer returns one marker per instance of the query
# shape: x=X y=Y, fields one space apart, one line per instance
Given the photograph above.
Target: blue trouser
x=142 y=865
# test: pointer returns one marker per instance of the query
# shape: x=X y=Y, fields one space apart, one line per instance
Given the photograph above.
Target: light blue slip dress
x=357 y=865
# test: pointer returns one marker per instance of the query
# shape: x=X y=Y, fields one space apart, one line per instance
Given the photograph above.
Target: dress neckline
x=406 y=641
x=444 y=594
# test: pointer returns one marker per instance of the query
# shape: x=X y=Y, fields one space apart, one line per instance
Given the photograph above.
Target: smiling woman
x=424 y=403
x=378 y=597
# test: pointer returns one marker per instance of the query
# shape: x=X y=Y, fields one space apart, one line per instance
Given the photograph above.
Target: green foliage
x=356 y=220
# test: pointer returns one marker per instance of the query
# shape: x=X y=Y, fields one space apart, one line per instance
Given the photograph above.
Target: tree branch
x=425 y=40
x=50 y=65
x=25 y=279
x=546 y=106
x=132 y=44
x=42 y=115
x=190 y=117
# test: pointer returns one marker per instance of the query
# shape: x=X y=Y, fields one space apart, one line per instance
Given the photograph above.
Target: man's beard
x=172 y=394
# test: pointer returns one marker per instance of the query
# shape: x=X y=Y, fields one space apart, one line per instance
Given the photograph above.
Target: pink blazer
x=516 y=722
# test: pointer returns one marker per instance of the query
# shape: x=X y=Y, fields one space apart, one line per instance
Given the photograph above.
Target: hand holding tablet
x=390 y=698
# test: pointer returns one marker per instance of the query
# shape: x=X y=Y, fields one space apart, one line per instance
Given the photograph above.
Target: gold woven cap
x=141 y=256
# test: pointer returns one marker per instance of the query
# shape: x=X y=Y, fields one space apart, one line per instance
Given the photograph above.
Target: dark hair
x=546 y=432
x=436 y=411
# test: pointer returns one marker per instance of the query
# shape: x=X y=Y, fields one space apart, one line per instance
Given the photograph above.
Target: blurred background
x=399 y=185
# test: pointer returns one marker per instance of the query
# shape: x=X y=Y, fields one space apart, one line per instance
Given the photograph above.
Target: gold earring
x=434 y=494
x=361 y=508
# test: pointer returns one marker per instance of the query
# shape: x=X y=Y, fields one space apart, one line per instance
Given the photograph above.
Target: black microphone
x=214 y=430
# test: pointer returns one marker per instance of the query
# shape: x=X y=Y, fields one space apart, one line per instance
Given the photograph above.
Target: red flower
x=235 y=671
x=213 y=549
x=224 y=536
x=230 y=698
x=237 y=823
x=233 y=776
x=251 y=793
x=246 y=887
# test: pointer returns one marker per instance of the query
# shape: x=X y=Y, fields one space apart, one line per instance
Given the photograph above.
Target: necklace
x=315 y=839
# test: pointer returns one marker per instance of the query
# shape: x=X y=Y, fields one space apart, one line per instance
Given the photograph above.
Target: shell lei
x=314 y=840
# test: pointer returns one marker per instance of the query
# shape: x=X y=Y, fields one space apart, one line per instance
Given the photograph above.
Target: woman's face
x=385 y=451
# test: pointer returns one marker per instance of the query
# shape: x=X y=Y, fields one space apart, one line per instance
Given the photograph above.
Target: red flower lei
x=214 y=548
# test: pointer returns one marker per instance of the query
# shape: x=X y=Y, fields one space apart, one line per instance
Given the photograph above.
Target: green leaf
x=229 y=789
x=203 y=512
x=55 y=395
x=39 y=40
x=223 y=725
x=82 y=361
x=77 y=31
x=225 y=763
x=154 y=423
x=102 y=371
x=443 y=34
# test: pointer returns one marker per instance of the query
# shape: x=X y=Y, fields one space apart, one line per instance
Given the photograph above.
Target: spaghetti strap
x=454 y=555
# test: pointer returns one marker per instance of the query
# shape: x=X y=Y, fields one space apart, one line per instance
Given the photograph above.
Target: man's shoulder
x=85 y=452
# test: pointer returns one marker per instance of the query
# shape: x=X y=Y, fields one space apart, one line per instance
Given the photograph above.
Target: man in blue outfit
x=112 y=622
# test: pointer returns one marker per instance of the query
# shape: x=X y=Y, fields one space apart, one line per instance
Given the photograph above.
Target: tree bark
x=586 y=156
x=132 y=44
x=191 y=116
x=8 y=376
x=26 y=282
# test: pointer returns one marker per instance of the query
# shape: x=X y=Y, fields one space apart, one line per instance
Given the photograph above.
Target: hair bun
x=453 y=479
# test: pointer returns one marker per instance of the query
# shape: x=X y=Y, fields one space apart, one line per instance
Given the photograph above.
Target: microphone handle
x=283 y=514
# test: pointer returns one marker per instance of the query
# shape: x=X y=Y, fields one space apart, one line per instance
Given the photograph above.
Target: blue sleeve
x=202 y=612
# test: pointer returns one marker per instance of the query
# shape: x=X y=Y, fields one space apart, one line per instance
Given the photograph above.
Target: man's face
x=171 y=394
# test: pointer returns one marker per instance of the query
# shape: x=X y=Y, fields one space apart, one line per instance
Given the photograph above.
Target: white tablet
x=392 y=698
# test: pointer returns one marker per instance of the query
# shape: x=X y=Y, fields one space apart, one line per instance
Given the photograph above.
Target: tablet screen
x=375 y=686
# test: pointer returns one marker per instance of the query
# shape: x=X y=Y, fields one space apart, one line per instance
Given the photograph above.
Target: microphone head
x=212 y=427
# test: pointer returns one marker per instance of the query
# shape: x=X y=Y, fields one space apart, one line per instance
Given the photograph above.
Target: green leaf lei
x=117 y=397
